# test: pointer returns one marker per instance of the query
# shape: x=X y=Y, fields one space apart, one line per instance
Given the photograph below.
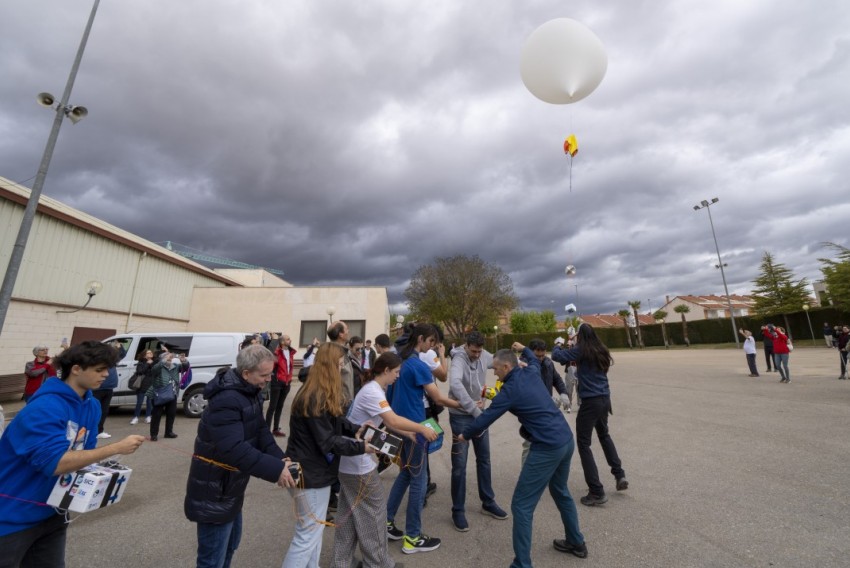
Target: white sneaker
x=148 y=420
x=134 y=421
x=103 y=436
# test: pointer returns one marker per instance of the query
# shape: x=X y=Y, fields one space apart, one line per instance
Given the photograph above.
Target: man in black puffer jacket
x=233 y=443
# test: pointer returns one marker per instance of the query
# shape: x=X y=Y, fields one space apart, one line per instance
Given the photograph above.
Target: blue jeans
x=311 y=506
x=140 y=397
x=460 y=451
x=541 y=468
x=780 y=361
x=217 y=543
x=413 y=474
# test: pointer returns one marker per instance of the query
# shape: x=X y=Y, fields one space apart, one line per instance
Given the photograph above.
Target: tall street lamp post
x=707 y=206
x=74 y=114
x=811 y=330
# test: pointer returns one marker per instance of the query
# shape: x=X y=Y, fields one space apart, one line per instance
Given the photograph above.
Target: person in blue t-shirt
x=407 y=401
x=53 y=435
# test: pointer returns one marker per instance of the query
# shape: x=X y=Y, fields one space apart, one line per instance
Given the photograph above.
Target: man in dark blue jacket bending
x=233 y=443
x=548 y=462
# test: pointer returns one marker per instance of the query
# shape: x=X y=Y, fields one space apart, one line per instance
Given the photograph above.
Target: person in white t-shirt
x=750 y=351
x=361 y=490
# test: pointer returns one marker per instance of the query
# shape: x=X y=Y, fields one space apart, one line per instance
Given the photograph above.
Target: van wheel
x=194 y=402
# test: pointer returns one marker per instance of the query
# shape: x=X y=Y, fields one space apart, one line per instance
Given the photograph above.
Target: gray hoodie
x=467 y=379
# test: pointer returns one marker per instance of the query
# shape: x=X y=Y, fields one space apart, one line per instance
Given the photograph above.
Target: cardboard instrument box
x=384 y=442
x=98 y=485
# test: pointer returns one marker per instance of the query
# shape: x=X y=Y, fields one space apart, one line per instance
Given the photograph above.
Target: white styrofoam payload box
x=98 y=485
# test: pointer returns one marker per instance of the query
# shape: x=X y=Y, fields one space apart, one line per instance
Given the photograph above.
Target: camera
x=295 y=471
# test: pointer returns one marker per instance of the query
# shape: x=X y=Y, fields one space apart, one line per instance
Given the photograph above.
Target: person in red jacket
x=37 y=371
x=284 y=357
x=780 y=352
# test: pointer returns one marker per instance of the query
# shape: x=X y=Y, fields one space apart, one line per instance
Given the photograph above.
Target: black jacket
x=233 y=432
x=146 y=369
x=551 y=377
x=316 y=443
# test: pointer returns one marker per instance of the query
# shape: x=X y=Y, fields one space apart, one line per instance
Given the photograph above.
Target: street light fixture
x=707 y=206
x=330 y=311
x=74 y=114
x=812 y=331
x=93 y=288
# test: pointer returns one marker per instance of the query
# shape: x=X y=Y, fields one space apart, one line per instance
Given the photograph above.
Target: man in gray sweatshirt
x=467 y=378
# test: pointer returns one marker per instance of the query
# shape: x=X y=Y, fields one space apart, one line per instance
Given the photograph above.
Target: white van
x=207 y=353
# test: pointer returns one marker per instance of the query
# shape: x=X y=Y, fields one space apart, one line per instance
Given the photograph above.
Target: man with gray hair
x=548 y=463
x=467 y=379
x=233 y=444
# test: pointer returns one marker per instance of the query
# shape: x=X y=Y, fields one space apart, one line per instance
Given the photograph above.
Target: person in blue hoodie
x=548 y=463
x=593 y=361
x=54 y=434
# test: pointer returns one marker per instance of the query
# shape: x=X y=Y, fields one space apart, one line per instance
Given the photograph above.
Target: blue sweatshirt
x=54 y=421
x=592 y=381
x=524 y=395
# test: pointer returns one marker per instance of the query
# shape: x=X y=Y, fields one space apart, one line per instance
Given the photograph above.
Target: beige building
x=708 y=307
x=145 y=288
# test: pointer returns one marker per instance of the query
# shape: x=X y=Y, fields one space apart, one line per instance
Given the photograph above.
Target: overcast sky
x=348 y=143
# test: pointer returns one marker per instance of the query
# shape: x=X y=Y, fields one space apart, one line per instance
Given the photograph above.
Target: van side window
x=157 y=344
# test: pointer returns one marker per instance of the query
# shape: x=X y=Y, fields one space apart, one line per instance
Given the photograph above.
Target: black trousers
x=768 y=358
x=170 y=410
x=36 y=547
x=593 y=414
x=751 y=361
x=277 y=396
x=105 y=397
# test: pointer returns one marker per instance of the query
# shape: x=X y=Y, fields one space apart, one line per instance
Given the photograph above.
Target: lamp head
x=715 y=199
x=76 y=114
x=331 y=310
x=45 y=99
x=697 y=207
x=93 y=288
x=704 y=203
x=806 y=307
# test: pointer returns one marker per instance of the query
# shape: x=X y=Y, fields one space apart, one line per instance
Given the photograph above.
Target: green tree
x=836 y=276
x=635 y=305
x=460 y=292
x=662 y=316
x=533 y=322
x=776 y=292
x=624 y=315
x=682 y=309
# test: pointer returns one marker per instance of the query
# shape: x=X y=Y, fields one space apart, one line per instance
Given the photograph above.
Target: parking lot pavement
x=725 y=470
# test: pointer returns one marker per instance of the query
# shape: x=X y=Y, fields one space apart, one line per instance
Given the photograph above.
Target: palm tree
x=624 y=314
x=635 y=305
x=662 y=316
x=683 y=309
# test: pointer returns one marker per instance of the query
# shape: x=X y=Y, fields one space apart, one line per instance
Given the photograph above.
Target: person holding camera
x=781 y=352
x=319 y=433
x=166 y=372
x=232 y=445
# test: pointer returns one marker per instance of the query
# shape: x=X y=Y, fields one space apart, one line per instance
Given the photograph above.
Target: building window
x=311 y=329
x=356 y=328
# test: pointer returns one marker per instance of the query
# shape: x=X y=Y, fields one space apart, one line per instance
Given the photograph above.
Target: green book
x=433 y=425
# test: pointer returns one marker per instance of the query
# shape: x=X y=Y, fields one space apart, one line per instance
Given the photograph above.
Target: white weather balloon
x=562 y=61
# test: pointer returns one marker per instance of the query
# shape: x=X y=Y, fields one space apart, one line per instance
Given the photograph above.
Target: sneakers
x=103 y=436
x=459 y=522
x=153 y=438
x=579 y=550
x=147 y=420
x=494 y=511
x=279 y=433
x=421 y=543
x=622 y=484
x=394 y=533
x=134 y=421
x=170 y=435
x=592 y=500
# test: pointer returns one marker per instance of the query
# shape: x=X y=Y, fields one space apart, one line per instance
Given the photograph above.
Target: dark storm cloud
x=350 y=143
